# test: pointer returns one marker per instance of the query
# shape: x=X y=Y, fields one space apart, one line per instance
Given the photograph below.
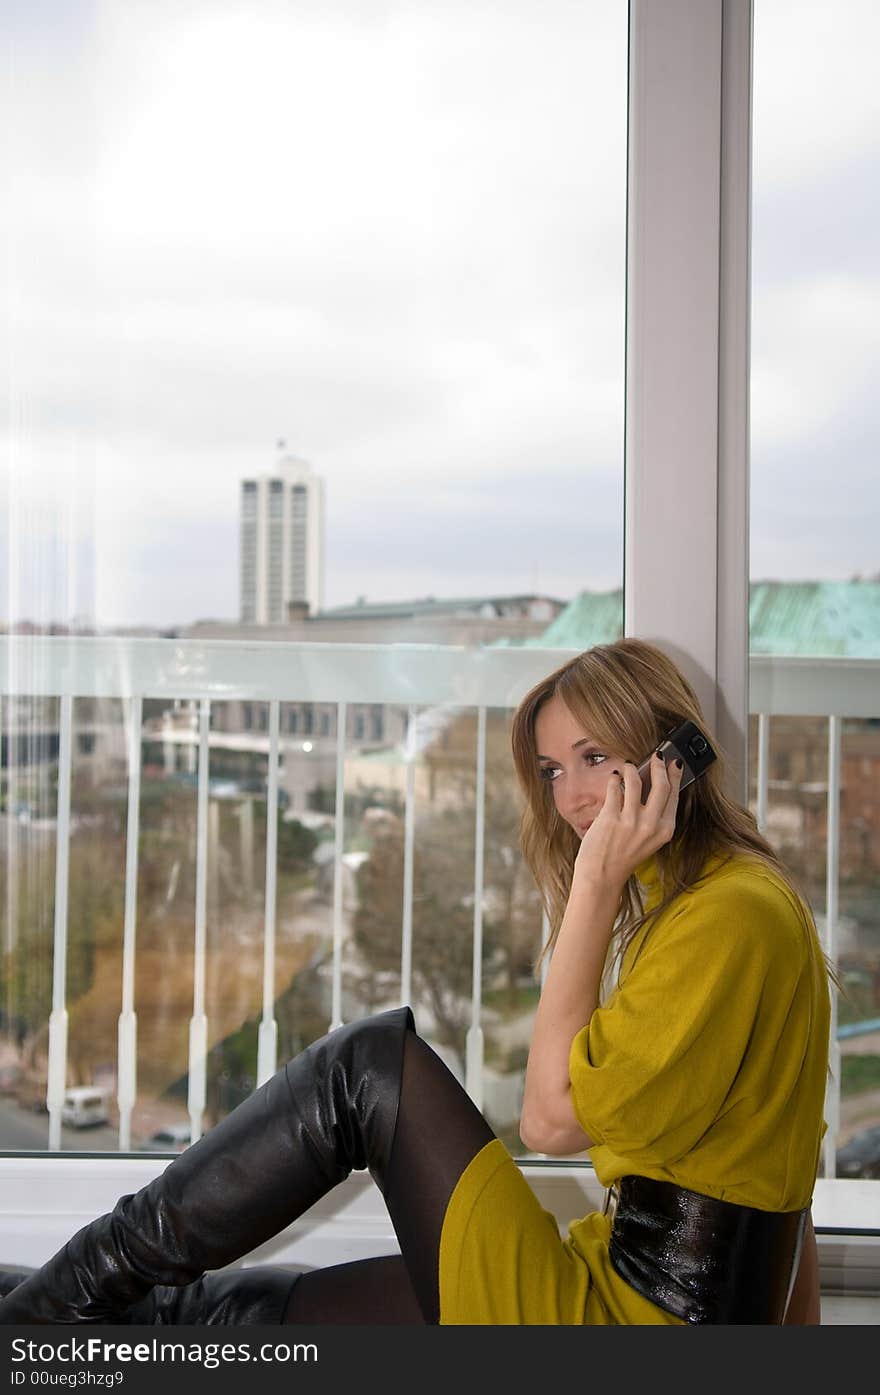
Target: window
x=444 y=317
x=119 y=476
x=815 y=584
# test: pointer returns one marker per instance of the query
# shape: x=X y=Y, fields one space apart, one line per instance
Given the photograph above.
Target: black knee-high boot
x=328 y=1112
x=237 y=1297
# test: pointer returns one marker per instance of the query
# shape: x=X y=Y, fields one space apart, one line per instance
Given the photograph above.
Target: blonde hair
x=629 y=696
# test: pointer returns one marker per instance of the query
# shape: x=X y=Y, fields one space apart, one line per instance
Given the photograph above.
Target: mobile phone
x=687 y=744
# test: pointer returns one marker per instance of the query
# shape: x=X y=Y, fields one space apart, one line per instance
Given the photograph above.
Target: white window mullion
x=734 y=376
x=686 y=564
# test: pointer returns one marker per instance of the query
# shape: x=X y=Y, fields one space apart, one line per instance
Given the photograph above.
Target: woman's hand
x=620 y=837
x=626 y=831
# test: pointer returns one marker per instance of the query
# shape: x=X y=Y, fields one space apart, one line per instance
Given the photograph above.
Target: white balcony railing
x=412 y=677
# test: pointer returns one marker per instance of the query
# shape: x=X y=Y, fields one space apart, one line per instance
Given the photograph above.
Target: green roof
x=785 y=617
x=815 y=617
x=596 y=614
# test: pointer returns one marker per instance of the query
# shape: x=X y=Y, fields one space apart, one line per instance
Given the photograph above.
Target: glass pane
x=815 y=493
x=316 y=317
x=384 y=240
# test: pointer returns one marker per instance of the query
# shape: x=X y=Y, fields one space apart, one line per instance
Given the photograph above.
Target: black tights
x=439 y=1129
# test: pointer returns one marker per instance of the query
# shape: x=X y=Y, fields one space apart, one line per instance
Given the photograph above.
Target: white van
x=84 y=1105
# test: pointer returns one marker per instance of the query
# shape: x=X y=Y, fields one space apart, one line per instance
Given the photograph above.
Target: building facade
x=282 y=543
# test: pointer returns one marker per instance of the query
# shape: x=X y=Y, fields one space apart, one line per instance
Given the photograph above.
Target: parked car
x=10 y=1078
x=860 y=1157
x=84 y=1106
x=171 y=1138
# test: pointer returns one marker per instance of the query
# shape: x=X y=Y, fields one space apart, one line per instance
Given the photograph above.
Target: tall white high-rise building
x=282 y=542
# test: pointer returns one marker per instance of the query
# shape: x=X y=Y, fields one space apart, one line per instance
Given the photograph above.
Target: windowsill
x=44 y=1198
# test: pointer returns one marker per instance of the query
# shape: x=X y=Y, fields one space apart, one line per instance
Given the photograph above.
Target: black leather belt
x=706 y=1261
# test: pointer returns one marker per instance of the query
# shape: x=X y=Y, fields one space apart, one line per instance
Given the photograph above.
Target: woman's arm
x=623 y=834
x=569 y=998
x=804 y=1306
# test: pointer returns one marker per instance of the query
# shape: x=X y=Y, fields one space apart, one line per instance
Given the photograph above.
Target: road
x=22 y=1130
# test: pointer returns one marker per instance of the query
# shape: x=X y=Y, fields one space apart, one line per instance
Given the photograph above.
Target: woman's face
x=577 y=767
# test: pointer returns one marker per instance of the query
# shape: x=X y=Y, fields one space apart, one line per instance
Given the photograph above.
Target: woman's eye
x=592 y=758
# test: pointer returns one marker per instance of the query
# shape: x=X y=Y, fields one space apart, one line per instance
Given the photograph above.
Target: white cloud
x=372 y=236
x=816 y=103
x=392 y=233
x=814 y=345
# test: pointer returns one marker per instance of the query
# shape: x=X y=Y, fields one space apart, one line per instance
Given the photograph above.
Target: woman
x=695 y=1080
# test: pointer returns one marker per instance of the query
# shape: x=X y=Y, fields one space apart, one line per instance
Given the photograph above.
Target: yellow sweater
x=705 y=1067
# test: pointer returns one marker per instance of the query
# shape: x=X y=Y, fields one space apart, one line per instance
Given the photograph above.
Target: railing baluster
x=189 y=749
x=409 y=827
x=198 y=1026
x=44 y=670
x=12 y=844
x=57 y=1071
x=474 y=1043
x=763 y=769
x=267 y=1049
x=126 y=1050
x=545 y=964
x=832 y=901
x=338 y=909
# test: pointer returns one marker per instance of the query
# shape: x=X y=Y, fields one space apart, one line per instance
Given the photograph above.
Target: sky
x=392 y=235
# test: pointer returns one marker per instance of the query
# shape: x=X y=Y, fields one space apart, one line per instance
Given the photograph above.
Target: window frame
x=685 y=554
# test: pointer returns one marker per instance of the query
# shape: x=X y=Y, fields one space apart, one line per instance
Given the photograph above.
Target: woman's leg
x=438 y=1132
x=232 y=1298
x=439 y=1129
x=11 y=1278
x=334 y=1108
x=366 y=1292
x=804 y=1304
